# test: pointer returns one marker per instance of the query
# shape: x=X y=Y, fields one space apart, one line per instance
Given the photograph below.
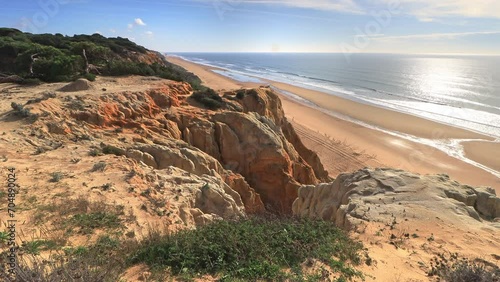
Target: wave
x=361 y=89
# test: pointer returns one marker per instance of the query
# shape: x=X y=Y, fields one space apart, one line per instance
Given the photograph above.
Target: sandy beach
x=486 y=153
x=346 y=146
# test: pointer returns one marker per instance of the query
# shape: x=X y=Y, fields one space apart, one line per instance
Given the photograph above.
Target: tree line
x=55 y=57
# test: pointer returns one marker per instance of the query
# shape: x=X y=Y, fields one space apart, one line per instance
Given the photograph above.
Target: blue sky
x=371 y=26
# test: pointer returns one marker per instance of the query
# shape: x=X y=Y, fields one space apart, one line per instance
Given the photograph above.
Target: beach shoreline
x=388 y=149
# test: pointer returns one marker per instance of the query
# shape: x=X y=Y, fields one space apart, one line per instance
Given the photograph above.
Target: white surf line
x=457 y=151
x=355 y=98
x=451 y=147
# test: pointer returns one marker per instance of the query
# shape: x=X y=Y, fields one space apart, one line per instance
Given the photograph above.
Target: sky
x=365 y=26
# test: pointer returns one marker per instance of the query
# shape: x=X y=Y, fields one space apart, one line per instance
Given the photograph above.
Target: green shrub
x=208 y=98
x=31 y=81
x=60 y=58
x=100 y=166
x=252 y=249
x=240 y=94
x=87 y=222
x=89 y=76
x=80 y=213
x=113 y=150
x=56 y=176
x=95 y=152
x=36 y=246
x=4 y=235
x=58 y=68
x=454 y=269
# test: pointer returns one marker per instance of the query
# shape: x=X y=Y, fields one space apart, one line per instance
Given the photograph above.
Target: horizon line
x=352 y=53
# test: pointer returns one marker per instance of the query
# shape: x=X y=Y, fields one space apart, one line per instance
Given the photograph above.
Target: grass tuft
x=100 y=166
x=56 y=176
x=454 y=269
x=36 y=246
x=113 y=150
x=81 y=215
x=88 y=222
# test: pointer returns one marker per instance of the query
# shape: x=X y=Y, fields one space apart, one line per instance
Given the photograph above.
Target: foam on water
x=238 y=76
x=463 y=100
x=452 y=147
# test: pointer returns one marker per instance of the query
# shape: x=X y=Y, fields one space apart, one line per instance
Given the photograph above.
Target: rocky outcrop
x=192 y=160
x=201 y=199
x=250 y=137
x=251 y=199
x=253 y=146
x=253 y=143
x=383 y=194
x=181 y=155
x=78 y=85
x=487 y=203
x=266 y=103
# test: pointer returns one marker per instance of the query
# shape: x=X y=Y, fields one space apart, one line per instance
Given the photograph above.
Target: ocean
x=463 y=91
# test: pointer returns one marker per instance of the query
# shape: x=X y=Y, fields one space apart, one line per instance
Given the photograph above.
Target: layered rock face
x=381 y=195
x=253 y=140
x=201 y=199
x=248 y=144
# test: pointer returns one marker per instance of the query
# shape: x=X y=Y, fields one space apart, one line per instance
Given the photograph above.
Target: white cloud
x=348 y=6
x=149 y=33
x=139 y=21
x=424 y=10
x=332 y=5
x=434 y=36
x=112 y=30
x=98 y=32
x=430 y=10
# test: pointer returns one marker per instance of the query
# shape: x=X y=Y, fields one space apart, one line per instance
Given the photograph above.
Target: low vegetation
x=23 y=112
x=208 y=98
x=55 y=57
x=253 y=249
x=101 y=261
x=113 y=150
x=56 y=176
x=265 y=249
x=49 y=258
x=100 y=166
x=81 y=216
x=36 y=246
x=452 y=268
x=240 y=94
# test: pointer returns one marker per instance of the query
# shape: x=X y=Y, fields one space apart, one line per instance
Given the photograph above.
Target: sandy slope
x=388 y=150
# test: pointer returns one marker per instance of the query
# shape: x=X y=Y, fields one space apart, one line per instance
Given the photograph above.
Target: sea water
x=459 y=90
x=462 y=91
